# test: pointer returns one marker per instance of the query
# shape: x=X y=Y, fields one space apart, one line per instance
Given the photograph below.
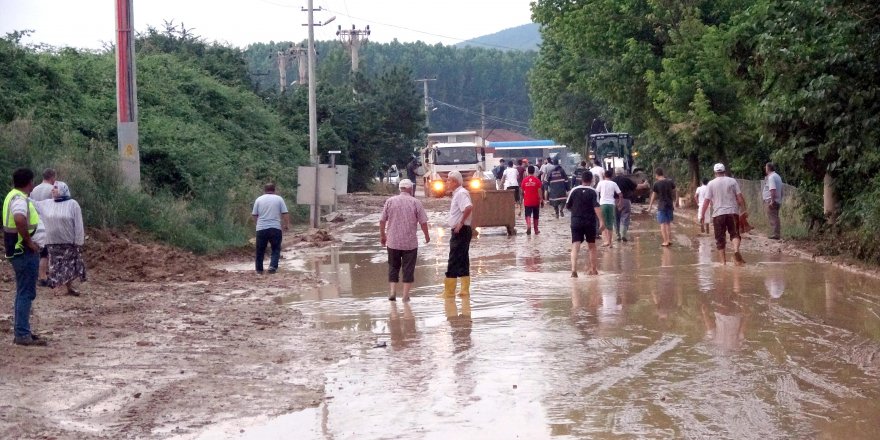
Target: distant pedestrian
x=41 y=192
x=558 y=194
x=401 y=215
x=699 y=197
x=65 y=235
x=532 y=201
x=598 y=172
x=583 y=202
x=624 y=204
x=664 y=192
x=545 y=177
x=608 y=192
x=22 y=229
x=511 y=183
x=270 y=214
x=459 y=219
x=412 y=172
x=498 y=172
x=578 y=175
x=772 y=193
x=726 y=198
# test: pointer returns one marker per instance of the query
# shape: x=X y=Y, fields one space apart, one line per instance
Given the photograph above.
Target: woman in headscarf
x=62 y=218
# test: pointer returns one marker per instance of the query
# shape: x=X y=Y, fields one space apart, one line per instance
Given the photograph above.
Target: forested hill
x=524 y=37
x=467 y=78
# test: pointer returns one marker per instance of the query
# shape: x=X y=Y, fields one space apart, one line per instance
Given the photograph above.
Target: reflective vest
x=11 y=237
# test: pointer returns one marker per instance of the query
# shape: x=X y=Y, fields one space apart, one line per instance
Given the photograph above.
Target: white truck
x=457 y=151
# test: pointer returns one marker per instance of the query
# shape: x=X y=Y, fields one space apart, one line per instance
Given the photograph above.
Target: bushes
x=207 y=143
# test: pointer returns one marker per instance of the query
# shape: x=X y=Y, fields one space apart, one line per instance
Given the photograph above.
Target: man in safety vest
x=21 y=223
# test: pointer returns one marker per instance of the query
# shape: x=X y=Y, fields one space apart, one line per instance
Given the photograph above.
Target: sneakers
x=529 y=231
x=30 y=340
x=273 y=269
x=574 y=274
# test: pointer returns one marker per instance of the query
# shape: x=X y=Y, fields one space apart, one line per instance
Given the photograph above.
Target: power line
x=510 y=122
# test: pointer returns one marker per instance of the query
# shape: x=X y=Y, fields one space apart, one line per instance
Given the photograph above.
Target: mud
x=664 y=343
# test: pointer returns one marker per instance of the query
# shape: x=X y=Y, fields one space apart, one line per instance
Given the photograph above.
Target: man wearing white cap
x=727 y=201
x=397 y=230
x=459 y=265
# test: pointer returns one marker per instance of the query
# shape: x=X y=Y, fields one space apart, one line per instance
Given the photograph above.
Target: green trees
x=739 y=81
x=207 y=141
x=467 y=78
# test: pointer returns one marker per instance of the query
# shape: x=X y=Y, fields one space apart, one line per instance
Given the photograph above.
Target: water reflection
x=725 y=313
x=402 y=330
x=461 y=326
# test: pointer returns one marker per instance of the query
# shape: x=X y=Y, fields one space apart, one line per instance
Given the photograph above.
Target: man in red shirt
x=532 y=200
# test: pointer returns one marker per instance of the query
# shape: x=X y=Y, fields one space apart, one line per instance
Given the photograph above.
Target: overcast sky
x=88 y=23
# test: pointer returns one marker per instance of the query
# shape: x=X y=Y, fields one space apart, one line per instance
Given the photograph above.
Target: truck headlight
x=437 y=185
x=476 y=184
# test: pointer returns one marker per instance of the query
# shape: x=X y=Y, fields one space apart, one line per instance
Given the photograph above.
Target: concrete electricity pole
x=126 y=97
x=298 y=53
x=315 y=209
x=353 y=39
x=424 y=82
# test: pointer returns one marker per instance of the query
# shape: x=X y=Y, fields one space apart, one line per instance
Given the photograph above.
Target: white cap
x=405 y=183
x=719 y=168
x=454 y=174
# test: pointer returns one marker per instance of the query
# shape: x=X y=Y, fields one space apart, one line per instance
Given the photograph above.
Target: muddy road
x=664 y=343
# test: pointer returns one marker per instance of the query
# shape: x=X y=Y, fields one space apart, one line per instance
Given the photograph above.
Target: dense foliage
x=742 y=82
x=466 y=78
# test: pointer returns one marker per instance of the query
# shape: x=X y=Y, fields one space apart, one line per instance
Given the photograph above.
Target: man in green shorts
x=607 y=190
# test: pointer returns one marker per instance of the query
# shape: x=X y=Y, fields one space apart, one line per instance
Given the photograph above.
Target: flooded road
x=664 y=343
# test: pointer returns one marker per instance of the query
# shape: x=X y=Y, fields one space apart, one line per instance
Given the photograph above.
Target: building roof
x=502 y=135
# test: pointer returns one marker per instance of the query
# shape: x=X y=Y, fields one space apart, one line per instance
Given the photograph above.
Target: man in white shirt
x=727 y=202
x=700 y=196
x=607 y=191
x=598 y=172
x=511 y=183
x=41 y=192
x=772 y=195
x=270 y=214
x=459 y=219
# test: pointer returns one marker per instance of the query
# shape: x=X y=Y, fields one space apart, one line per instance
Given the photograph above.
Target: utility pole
x=126 y=97
x=424 y=82
x=302 y=61
x=315 y=209
x=353 y=39
x=283 y=58
x=483 y=121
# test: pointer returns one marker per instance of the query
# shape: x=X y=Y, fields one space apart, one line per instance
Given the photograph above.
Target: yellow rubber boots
x=449 y=288
x=465 y=287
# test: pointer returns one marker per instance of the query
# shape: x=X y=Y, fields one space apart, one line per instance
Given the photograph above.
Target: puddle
x=663 y=343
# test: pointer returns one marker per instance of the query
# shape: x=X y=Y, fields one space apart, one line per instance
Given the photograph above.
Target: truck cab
x=447 y=152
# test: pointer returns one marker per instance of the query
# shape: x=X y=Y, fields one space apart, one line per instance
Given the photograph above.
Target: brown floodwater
x=664 y=343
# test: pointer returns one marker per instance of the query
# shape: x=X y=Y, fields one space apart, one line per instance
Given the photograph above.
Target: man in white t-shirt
x=699 y=197
x=511 y=183
x=459 y=219
x=598 y=172
x=727 y=202
x=270 y=214
x=607 y=191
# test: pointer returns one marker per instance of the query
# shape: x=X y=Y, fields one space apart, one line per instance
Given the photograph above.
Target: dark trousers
x=271 y=237
x=773 y=218
x=459 y=260
x=26 y=266
x=406 y=260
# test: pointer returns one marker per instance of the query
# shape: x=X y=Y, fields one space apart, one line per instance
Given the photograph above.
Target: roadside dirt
x=162 y=343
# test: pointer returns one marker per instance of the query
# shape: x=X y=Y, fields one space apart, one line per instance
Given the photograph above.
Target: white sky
x=88 y=23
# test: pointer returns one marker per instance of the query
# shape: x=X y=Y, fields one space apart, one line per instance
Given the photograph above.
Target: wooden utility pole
x=424 y=82
x=353 y=39
x=126 y=97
